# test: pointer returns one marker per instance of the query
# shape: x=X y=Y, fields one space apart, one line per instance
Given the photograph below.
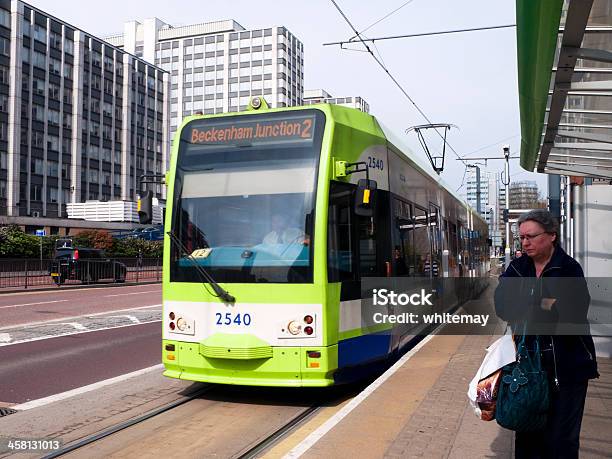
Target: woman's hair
x=544 y=218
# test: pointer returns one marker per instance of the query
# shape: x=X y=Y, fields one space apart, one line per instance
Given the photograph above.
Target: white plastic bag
x=500 y=353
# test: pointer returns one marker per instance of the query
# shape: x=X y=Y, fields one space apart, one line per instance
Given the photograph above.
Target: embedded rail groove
x=280 y=433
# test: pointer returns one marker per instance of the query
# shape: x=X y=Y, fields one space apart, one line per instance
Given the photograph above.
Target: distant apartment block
x=80 y=119
x=320 y=96
x=216 y=67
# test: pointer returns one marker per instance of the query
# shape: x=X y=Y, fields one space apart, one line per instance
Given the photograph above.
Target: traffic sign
x=40 y=232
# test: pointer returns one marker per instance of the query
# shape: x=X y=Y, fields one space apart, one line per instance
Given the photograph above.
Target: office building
x=320 y=96
x=492 y=201
x=472 y=183
x=80 y=119
x=524 y=195
x=216 y=67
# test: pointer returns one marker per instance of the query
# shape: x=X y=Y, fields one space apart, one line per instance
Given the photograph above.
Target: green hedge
x=14 y=243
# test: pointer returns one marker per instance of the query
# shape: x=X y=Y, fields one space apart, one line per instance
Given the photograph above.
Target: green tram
x=272 y=223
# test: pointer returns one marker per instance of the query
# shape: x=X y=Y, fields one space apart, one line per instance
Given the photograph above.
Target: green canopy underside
x=537 y=29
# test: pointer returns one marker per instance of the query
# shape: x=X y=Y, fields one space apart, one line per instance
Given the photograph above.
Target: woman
x=548 y=304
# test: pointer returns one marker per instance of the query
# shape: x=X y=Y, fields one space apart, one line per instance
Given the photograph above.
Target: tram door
x=434 y=268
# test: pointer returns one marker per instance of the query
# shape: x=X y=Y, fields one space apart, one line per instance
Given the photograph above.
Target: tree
x=95 y=239
x=14 y=243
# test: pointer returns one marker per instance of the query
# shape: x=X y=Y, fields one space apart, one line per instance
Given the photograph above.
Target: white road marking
x=81 y=390
x=134 y=319
x=5 y=337
x=46 y=322
x=73 y=290
x=77 y=326
x=31 y=304
x=316 y=435
x=133 y=293
x=39 y=338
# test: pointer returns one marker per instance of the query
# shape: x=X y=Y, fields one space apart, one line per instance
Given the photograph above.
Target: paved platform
x=422 y=409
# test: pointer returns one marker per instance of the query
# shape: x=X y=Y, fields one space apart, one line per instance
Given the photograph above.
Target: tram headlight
x=294 y=327
x=308 y=319
x=181 y=324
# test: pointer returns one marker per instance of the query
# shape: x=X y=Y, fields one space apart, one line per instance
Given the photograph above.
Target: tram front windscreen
x=244 y=195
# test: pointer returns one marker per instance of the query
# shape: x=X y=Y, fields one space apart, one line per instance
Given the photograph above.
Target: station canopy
x=565 y=86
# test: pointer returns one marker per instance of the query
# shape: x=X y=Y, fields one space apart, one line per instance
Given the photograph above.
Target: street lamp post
x=507 y=206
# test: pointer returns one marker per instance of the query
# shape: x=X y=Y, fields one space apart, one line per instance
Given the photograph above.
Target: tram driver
x=282 y=233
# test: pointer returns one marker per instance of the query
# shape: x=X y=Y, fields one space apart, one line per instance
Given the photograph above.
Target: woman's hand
x=547 y=303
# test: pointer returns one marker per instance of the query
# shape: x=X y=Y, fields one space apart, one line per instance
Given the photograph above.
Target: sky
x=465 y=79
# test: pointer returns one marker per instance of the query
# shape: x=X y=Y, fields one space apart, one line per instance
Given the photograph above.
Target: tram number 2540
x=233 y=319
x=375 y=163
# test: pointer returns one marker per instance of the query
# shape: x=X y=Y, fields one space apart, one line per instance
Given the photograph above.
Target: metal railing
x=32 y=272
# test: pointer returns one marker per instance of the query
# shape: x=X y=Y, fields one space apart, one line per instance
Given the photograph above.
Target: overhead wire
x=358 y=35
x=383 y=18
x=424 y=34
x=490 y=145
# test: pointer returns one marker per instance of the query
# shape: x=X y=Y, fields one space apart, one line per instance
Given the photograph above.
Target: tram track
x=90 y=439
x=257 y=447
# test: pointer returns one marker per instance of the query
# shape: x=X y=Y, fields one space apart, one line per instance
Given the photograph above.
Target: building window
x=67 y=95
x=68 y=46
x=4 y=74
x=35 y=193
x=52 y=168
x=94 y=129
x=54 y=91
x=40 y=33
x=5 y=18
x=53 y=118
x=67 y=70
x=52 y=197
x=66 y=145
x=96 y=59
x=37 y=166
x=65 y=171
x=55 y=40
x=38 y=112
x=55 y=66
x=52 y=143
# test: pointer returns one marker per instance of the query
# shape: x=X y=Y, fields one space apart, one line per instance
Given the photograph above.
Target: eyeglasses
x=529 y=237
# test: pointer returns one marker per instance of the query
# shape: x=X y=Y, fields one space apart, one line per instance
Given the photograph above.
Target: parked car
x=85 y=264
x=153 y=233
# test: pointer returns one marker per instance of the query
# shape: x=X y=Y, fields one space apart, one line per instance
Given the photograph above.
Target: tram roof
x=423 y=166
x=565 y=86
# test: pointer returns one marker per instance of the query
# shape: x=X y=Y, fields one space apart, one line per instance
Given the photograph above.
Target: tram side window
x=421 y=242
x=403 y=250
x=339 y=236
x=367 y=247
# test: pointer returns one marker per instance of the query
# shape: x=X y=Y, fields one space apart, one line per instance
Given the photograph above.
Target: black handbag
x=524 y=395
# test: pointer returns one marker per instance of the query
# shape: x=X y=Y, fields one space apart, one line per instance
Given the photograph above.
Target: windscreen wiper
x=220 y=291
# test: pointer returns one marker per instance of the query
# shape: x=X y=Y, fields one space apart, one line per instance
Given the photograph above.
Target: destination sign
x=259 y=130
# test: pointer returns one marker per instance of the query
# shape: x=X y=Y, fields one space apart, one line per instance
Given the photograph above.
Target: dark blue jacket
x=569 y=353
